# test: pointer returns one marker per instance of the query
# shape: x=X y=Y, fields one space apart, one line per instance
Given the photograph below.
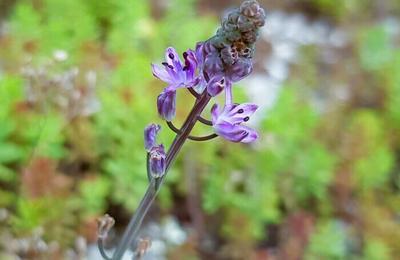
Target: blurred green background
x=76 y=91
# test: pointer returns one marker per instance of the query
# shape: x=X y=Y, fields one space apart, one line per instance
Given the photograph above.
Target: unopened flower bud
x=166 y=104
x=157 y=161
x=104 y=225
x=150 y=135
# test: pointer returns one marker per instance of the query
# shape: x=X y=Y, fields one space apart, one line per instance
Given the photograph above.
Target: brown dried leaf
x=41 y=179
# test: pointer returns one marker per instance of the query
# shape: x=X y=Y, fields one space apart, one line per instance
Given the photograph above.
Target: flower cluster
x=206 y=72
x=213 y=67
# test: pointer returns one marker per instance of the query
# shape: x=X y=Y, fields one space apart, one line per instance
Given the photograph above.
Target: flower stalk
x=206 y=72
x=132 y=230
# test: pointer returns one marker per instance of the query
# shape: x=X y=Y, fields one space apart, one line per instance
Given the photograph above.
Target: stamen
x=240 y=111
x=185 y=55
x=206 y=77
x=171 y=56
x=246 y=119
x=222 y=81
x=168 y=65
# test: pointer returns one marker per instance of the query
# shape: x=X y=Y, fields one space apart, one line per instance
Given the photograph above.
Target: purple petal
x=214 y=113
x=172 y=58
x=216 y=85
x=236 y=133
x=161 y=73
x=242 y=68
x=251 y=136
x=166 y=104
x=150 y=135
x=213 y=64
x=190 y=65
x=203 y=49
x=237 y=114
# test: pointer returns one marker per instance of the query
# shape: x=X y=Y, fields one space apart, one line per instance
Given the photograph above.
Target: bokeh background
x=76 y=91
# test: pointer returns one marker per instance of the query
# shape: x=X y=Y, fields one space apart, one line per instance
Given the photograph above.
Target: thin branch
x=202 y=138
x=100 y=244
x=149 y=177
x=191 y=137
x=205 y=121
x=173 y=127
x=194 y=93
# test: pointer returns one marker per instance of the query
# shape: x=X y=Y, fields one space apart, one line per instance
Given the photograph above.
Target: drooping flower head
x=166 y=104
x=214 y=66
x=227 y=122
x=177 y=75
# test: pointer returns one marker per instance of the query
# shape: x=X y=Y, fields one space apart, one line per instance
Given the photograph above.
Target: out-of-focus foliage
x=76 y=91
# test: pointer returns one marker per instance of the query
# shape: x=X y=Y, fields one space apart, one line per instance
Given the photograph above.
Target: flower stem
x=131 y=232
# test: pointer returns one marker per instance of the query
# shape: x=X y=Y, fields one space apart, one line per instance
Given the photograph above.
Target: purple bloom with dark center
x=157 y=161
x=227 y=122
x=150 y=136
x=177 y=75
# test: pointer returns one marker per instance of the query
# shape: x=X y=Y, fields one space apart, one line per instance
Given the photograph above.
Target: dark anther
x=184 y=55
x=167 y=65
x=246 y=50
x=171 y=56
x=222 y=81
x=206 y=77
x=246 y=119
x=240 y=111
x=185 y=68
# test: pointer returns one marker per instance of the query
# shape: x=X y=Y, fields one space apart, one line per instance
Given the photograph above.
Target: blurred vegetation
x=76 y=91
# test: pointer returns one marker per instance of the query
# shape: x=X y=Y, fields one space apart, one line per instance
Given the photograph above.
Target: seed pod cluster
x=239 y=31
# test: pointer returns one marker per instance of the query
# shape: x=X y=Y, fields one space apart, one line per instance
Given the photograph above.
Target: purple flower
x=217 y=84
x=177 y=75
x=157 y=161
x=150 y=135
x=227 y=123
x=218 y=69
x=240 y=69
x=166 y=104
